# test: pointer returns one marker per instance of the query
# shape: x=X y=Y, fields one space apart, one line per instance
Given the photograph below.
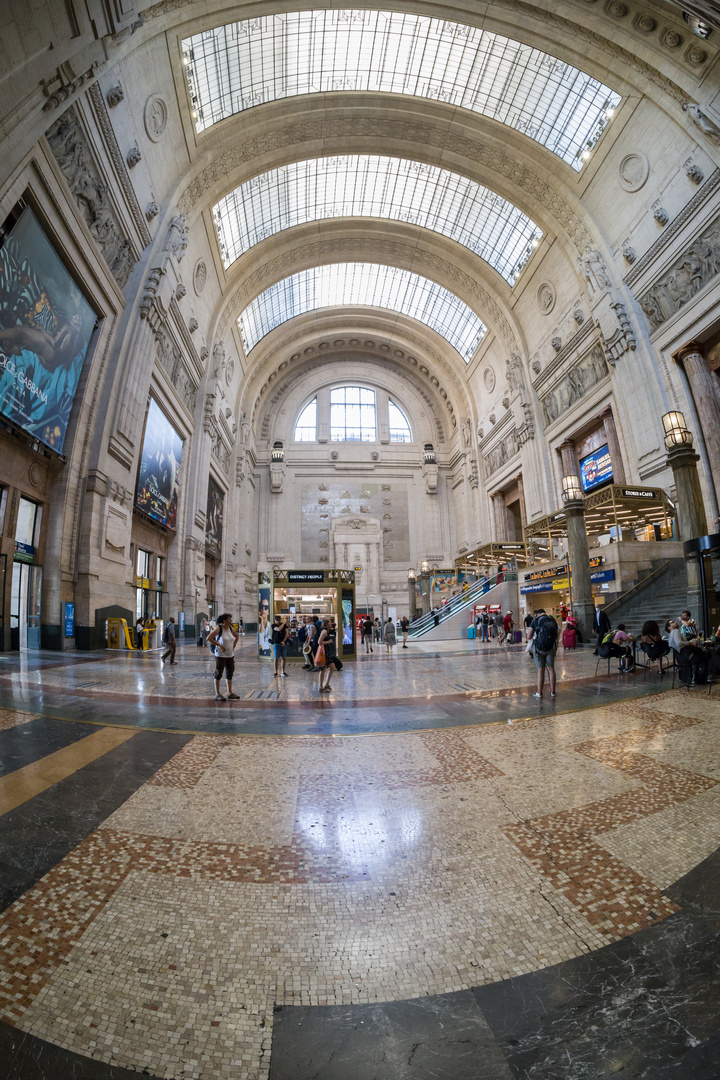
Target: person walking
x=499 y=628
x=325 y=655
x=405 y=627
x=279 y=640
x=543 y=643
x=485 y=625
x=390 y=636
x=169 y=641
x=367 y=633
x=377 y=632
x=508 y=625
x=224 y=639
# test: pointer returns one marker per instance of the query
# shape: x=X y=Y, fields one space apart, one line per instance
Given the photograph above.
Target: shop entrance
x=297 y=596
x=26 y=586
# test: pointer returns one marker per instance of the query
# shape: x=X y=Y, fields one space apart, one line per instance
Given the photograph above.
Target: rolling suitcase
x=569 y=638
x=518 y=637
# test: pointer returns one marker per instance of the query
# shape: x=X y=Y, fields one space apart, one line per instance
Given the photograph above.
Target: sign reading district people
x=45 y=329
x=157 y=490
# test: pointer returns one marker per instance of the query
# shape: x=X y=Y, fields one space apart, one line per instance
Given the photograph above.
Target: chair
x=654 y=656
x=602 y=655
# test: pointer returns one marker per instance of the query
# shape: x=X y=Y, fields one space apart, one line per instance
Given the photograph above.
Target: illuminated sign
x=305 y=575
x=596 y=469
x=638 y=493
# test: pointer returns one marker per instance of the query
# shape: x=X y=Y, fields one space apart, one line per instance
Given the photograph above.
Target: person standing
x=601 y=626
x=325 y=660
x=528 y=623
x=543 y=643
x=367 y=633
x=405 y=627
x=508 y=625
x=389 y=635
x=169 y=641
x=279 y=640
x=499 y=628
x=241 y=625
x=485 y=626
x=139 y=633
x=377 y=632
x=224 y=639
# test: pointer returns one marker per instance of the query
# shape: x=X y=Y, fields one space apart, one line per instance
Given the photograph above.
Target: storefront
x=493 y=558
x=551 y=587
x=296 y=596
x=26 y=584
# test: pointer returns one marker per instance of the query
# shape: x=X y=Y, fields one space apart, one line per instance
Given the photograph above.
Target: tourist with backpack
x=542 y=644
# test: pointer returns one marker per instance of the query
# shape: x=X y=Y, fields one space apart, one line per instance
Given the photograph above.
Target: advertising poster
x=596 y=469
x=157 y=490
x=347 y=621
x=264 y=621
x=214 y=519
x=45 y=329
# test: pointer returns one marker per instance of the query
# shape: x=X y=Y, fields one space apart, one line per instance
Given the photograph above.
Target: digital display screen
x=596 y=469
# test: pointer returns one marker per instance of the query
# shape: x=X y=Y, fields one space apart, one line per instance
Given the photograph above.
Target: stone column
x=582 y=599
x=499 y=515
x=569 y=460
x=691 y=511
x=521 y=500
x=613 y=445
x=703 y=386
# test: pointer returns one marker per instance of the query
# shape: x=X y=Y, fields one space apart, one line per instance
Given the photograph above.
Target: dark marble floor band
x=644 y=1008
x=21 y=745
x=30 y=1058
x=36 y=835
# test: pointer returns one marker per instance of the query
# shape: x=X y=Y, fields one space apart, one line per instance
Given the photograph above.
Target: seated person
x=622 y=642
x=687 y=619
x=652 y=642
x=683 y=640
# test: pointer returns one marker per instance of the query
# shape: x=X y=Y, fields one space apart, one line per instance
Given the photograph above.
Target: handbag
x=338 y=663
x=320 y=657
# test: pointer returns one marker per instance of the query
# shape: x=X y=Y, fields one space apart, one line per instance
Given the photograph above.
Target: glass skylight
x=368 y=185
x=234 y=67
x=370 y=285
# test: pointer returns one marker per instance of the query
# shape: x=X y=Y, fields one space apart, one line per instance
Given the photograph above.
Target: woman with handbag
x=325 y=657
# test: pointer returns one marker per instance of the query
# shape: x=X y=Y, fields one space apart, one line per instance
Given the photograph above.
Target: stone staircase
x=662 y=599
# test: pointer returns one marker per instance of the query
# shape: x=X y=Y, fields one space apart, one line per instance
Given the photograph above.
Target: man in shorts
x=279 y=640
x=543 y=631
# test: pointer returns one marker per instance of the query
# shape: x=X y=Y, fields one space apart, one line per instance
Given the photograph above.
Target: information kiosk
x=298 y=595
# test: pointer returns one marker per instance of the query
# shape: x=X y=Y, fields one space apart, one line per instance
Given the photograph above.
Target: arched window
x=306 y=427
x=399 y=427
x=352 y=415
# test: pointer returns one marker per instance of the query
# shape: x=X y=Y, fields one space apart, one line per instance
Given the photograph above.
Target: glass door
x=34 y=591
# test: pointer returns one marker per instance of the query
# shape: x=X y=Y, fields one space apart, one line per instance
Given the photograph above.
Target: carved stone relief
x=199 y=276
x=546 y=297
x=171 y=361
x=74 y=156
x=574 y=384
x=155 y=117
x=634 y=170
x=698 y=265
x=489 y=379
x=501 y=453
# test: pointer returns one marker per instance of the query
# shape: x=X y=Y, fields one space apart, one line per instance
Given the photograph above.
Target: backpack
x=545 y=637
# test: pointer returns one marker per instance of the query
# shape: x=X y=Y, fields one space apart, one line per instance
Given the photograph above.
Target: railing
x=459 y=603
x=636 y=588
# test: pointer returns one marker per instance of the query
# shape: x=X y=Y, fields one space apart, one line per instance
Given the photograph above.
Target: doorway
x=25 y=596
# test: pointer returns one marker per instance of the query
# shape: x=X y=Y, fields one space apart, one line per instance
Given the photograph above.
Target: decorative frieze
x=691 y=271
x=574 y=384
x=501 y=453
x=74 y=156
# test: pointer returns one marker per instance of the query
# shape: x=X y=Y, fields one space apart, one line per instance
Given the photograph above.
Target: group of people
x=372 y=632
x=318 y=638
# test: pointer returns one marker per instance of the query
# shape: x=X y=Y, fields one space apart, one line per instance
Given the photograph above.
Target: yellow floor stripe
x=17 y=787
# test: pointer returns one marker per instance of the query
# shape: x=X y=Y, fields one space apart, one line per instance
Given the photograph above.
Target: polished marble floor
x=419 y=890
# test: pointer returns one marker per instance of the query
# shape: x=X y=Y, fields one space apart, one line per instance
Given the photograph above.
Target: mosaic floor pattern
x=189 y=894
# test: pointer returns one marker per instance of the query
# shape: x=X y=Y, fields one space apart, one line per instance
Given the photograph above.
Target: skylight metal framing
x=377 y=186
x=239 y=65
x=369 y=285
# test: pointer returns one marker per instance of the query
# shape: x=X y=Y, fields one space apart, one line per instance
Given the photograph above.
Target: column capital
x=690 y=348
x=569 y=444
x=606 y=412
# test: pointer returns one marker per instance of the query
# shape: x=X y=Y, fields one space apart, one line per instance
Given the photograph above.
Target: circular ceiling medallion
x=489 y=379
x=546 y=297
x=155 y=117
x=634 y=171
x=199 y=276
